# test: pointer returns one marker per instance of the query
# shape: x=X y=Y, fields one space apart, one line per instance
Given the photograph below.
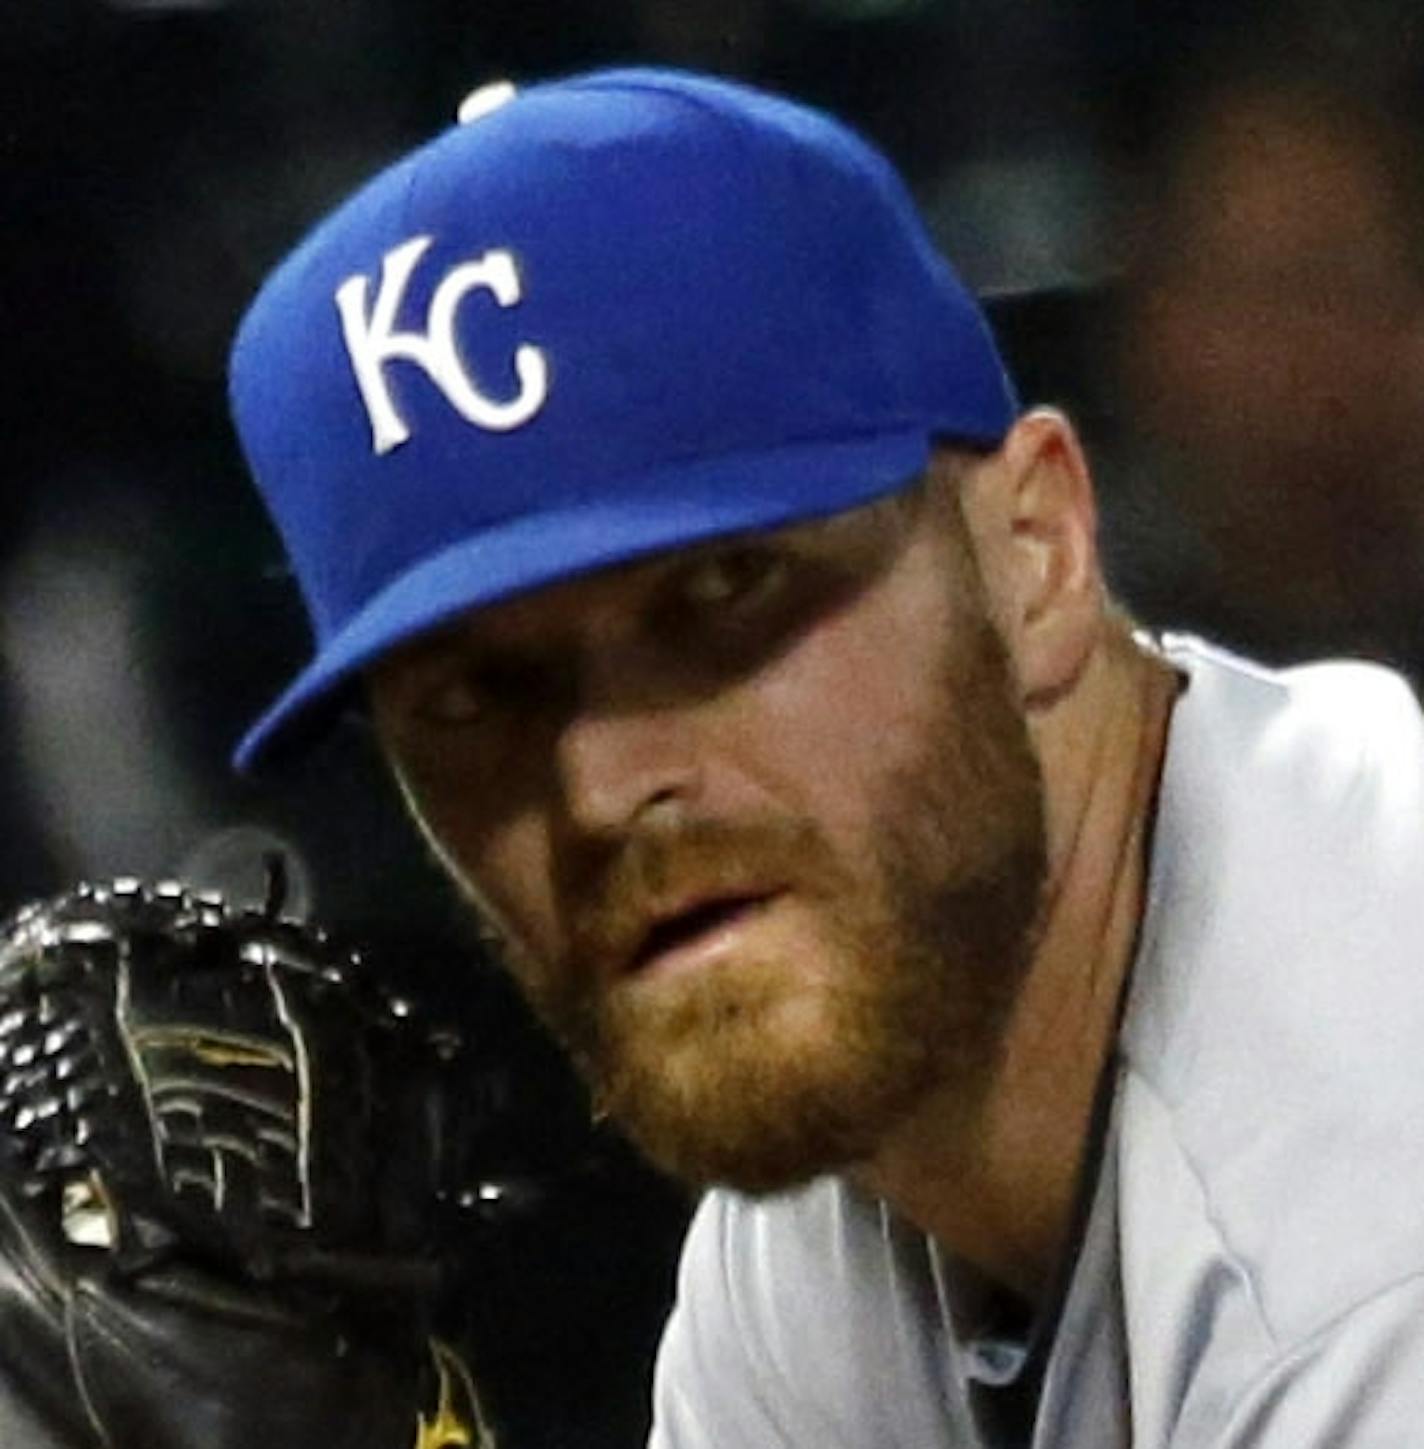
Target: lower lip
x=708 y=946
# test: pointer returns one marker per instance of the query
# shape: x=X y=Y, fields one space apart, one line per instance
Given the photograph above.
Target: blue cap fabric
x=618 y=314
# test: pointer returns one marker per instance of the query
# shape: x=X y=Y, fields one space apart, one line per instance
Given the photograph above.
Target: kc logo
x=372 y=341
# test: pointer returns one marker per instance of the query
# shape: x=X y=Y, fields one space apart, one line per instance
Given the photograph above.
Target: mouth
x=695 y=930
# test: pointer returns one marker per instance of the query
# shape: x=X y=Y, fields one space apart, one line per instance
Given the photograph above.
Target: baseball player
x=1038 y=1003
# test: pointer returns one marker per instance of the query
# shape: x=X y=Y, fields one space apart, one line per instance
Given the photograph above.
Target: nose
x=618 y=767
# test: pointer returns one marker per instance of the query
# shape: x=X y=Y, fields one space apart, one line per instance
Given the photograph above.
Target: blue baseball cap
x=602 y=317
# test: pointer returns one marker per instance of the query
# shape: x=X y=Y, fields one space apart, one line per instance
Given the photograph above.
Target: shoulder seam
x=1317 y=1335
x=1209 y=1214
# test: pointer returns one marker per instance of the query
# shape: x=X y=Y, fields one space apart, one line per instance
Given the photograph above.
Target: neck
x=995 y=1184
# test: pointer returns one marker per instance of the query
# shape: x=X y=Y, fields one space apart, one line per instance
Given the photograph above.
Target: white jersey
x=1250 y=1274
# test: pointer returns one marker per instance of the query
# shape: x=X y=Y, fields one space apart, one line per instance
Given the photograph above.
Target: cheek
x=500 y=857
x=513 y=876
x=851 y=709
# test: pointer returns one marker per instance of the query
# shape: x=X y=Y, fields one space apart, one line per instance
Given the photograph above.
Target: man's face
x=759 y=824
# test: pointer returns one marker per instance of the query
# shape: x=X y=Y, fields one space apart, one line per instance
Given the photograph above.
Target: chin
x=760 y=1085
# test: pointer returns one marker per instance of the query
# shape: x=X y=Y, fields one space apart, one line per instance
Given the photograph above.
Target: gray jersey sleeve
x=709 y=1389
x=1357 y=1384
x=805 y=1321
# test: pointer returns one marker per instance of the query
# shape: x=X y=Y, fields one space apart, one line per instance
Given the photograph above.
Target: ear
x=1030 y=511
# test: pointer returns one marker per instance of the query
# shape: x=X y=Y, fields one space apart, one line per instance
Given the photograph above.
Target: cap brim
x=691 y=503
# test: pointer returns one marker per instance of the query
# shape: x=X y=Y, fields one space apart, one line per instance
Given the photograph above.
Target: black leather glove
x=222 y=1149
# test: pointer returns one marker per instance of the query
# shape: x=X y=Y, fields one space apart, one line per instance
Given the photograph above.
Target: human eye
x=732 y=608
x=463 y=691
x=455 y=696
x=734 y=579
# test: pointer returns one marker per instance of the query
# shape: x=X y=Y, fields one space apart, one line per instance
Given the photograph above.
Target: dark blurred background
x=1202 y=224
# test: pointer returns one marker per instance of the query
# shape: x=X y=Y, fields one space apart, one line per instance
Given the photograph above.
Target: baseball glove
x=222 y=1189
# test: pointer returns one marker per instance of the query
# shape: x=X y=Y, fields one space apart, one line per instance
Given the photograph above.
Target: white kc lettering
x=372 y=341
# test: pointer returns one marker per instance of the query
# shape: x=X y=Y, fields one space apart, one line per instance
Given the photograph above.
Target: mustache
x=616 y=893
